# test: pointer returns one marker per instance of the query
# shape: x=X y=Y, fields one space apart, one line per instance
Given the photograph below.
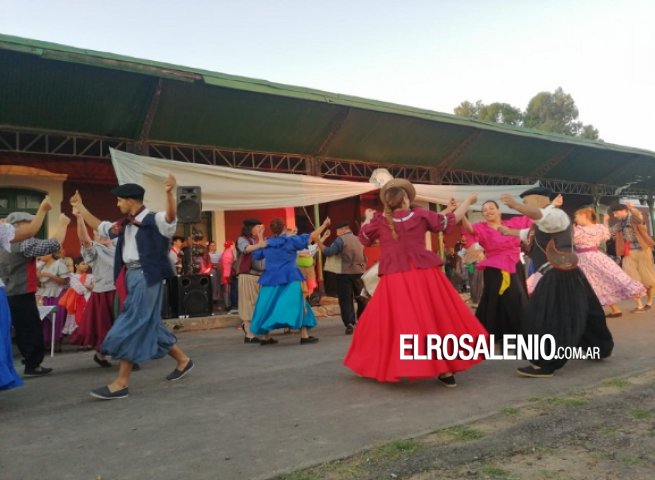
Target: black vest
x=153 y=250
x=563 y=242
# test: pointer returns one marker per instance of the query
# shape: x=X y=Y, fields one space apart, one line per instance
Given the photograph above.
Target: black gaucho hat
x=129 y=190
x=617 y=207
x=252 y=221
x=543 y=191
x=342 y=223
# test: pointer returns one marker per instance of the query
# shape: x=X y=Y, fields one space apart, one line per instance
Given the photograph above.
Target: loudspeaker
x=194 y=295
x=189 y=204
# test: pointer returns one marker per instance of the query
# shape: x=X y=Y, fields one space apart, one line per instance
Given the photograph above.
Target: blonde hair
x=393 y=200
x=589 y=212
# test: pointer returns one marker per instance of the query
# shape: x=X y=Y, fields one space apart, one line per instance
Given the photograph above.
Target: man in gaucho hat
x=563 y=303
x=142 y=254
x=634 y=245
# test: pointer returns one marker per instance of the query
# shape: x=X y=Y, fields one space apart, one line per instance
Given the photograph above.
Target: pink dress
x=610 y=283
x=501 y=251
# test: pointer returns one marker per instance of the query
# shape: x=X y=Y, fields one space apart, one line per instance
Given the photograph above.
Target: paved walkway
x=249 y=412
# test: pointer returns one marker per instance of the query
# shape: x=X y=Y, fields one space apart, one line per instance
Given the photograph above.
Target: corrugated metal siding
x=204 y=115
x=66 y=97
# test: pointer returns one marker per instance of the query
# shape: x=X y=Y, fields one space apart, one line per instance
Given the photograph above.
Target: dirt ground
x=606 y=432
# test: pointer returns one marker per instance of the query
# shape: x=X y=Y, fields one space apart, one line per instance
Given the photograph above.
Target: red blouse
x=408 y=251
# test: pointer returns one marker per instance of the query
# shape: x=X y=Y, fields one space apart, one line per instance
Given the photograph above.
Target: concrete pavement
x=250 y=412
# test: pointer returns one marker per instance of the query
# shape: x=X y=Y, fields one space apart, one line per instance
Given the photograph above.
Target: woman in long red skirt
x=414 y=297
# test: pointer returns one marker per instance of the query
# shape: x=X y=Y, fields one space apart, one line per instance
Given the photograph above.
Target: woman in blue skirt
x=281 y=303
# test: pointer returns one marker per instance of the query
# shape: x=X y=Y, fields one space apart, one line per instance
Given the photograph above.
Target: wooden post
x=319 y=257
x=650 y=203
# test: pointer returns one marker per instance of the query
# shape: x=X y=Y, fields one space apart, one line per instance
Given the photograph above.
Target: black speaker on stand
x=189 y=211
x=194 y=296
x=189 y=204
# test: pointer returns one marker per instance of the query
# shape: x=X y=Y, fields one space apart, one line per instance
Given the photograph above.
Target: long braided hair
x=393 y=200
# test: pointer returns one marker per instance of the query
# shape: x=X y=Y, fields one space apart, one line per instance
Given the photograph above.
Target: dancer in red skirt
x=414 y=297
x=98 y=317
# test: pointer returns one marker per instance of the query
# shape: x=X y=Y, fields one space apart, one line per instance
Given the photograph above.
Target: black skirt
x=502 y=314
x=565 y=306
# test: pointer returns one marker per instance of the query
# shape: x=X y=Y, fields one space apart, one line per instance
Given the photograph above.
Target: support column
x=319 y=257
x=650 y=201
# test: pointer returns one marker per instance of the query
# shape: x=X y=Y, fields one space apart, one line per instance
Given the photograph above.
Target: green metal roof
x=50 y=87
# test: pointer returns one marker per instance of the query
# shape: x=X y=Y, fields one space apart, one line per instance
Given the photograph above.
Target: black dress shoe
x=252 y=340
x=349 y=330
x=102 y=363
x=103 y=393
x=534 y=372
x=136 y=367
x=309 y=339
x=177 y=374
x=268 y=341
x=448 y=381
x=36 y=372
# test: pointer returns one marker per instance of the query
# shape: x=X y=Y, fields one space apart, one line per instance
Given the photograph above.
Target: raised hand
x=369 y=214
x=170 y=183
x=76 y=199
x=508 y=200
x=452 y=204
x=46 y=204
x=472 y=199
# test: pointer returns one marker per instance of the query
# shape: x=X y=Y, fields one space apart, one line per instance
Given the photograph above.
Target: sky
x=431 y=54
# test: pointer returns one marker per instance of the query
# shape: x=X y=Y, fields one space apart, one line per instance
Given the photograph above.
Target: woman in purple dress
x=610 y=283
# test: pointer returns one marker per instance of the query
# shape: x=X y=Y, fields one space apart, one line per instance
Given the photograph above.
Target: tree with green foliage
x=550 y=112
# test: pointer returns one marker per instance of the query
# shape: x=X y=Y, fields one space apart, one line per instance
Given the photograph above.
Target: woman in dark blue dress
x=281 y=303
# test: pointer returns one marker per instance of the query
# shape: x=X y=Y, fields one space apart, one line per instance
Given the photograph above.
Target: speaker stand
x=187 y=261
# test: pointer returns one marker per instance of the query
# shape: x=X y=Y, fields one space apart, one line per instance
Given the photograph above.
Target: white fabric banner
x=226 y=188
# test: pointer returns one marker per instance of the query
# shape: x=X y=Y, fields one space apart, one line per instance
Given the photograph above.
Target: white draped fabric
x=226 y=188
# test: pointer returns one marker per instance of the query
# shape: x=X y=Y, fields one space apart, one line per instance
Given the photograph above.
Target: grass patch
x=534 y=399
x=358 y=465
x=600 y=455
x=608 y=430
x=497 y=473
x=567 y=401
x=463 y=433
x=544 y=450
x=298 y=476
x=617 y=382
x=629 y=460
x=510 y=410
x=394 y=450
x=639 y=414
x=547 y=474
